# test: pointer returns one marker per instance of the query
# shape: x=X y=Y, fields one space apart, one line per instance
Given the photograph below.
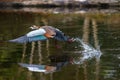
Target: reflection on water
x=95 y=35
x=87 y=53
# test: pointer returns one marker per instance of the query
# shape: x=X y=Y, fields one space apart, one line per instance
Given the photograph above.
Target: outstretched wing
x=33 y=67
x=25 y=39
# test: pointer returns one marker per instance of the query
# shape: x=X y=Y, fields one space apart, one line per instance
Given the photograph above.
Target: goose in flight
x=42 y=33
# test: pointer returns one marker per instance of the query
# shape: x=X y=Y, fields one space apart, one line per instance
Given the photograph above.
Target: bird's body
x=42 y=33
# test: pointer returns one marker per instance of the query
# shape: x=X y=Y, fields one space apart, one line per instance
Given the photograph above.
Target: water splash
x=88 y=52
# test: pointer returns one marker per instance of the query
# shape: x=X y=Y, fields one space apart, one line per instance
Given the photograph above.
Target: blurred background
x=95 y=22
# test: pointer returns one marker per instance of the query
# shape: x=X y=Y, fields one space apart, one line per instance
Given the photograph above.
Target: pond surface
x=98 y=30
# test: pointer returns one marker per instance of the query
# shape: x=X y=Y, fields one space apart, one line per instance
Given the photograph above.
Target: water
x=88 y=52
x=96 y=52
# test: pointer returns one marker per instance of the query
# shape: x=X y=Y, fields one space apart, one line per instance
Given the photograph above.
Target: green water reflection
x=95 y=29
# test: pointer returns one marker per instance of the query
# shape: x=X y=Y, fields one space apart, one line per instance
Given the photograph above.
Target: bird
x=42 y=33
